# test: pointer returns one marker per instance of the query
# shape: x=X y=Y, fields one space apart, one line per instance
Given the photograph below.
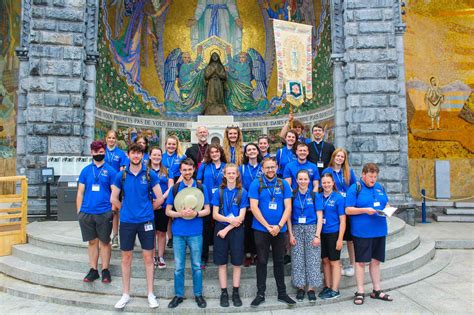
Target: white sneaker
x=153 y=301
x=343 y=272
x=123 y=301
x=349 y=271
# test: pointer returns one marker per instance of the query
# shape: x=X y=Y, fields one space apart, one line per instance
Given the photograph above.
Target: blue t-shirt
x=210 y=176
x=97 y=198
x=283 y=157
x=294 y=167
x=338 y=177
x=364 y=225
x=271 y=191
x=136 y=204
x=333 y=208
x=304 y=206
x=163 y=181
x=248 y=173
x=183 y=227
x=172 y=163
x=303 y=139
x=116 y=158
x=230 y=204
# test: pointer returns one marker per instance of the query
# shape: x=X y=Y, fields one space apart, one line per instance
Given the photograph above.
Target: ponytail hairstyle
x=334 y=188
x=179 y=149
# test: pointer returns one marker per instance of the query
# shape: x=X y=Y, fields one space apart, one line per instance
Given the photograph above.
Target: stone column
x=374 y=84
x=53 y=111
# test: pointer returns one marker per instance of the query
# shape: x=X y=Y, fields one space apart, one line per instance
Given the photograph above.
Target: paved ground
x=451 y=291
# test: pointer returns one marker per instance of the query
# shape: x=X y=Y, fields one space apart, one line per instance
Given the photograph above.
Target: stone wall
x=369 y=81
x=53 y=93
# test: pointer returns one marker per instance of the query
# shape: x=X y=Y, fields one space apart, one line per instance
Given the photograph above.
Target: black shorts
x=347 y=232
x=233 y=243
x=328 y=246
x=128 y=232
x=95 y=226
x=161 y=220
x=367 y=249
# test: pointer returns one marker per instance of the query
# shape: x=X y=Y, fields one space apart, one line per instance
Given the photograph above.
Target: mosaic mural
x=153 y=54
x=10 y=19
x=439 y=49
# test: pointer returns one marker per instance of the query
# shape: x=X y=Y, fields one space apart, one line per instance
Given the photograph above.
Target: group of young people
x=304 y=200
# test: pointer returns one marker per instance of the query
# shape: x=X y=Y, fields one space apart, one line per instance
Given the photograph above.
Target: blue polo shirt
x=136 y=204
x=97 y=202
x=210 y=176
x=183 y=227
x=305 y=206
x=248 y=173
x=303 y=139
x=338 y=177
x=333 y=208
x=283 y=157
x=116 y=158
x=230 y=205
x=364 y=225
x=163 y=181
x=172 y=162
x=294 y=167
x=275 y=192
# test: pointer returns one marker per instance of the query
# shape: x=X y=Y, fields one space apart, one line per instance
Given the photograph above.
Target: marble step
x=72 y=280
x=88 y=300
x=459 y=211
x=453 y=218
x=66 y=237
x=464 y=204
x=405 y=242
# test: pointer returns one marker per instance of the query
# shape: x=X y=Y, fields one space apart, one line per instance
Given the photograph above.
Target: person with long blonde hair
x=173 y=156
x=233 y=145
x=343 y=177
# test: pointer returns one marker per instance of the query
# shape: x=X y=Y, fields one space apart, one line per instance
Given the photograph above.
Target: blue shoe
x=324 y=291
x=330 y=294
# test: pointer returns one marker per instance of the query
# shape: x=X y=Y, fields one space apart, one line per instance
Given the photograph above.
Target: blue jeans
x=195 y=249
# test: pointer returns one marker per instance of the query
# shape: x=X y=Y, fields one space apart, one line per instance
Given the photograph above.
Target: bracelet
x=316 y=236
x=197 y=214
x=280 y=227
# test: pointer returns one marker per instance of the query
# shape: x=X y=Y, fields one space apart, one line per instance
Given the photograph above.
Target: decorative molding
x=22 y=50
x=92 y=20
x=400 y=27
x=337 y=27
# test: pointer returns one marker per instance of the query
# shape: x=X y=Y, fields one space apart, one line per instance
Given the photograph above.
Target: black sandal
x=376 y=294
x=359 y=298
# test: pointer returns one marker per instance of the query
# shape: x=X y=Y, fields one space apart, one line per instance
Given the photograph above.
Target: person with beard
x=197 y=150
x=270 y=202
x=187 y=228
x=95 y=211
x=136 y=183
x=320 y=152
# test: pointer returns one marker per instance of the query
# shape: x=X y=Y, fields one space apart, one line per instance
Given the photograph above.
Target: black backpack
x=295 y=192
x=221 y=197
x=279 y=183
x=124 y=176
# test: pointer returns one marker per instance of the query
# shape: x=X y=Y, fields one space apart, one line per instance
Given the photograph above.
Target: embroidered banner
x=294 y=60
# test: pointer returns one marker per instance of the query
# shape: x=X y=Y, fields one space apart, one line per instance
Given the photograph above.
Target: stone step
x=457 y=211
x=464 y=204
x=66 y=237
x=72 y=280
x=453 y=218
x=37 y=292
x=405 y=242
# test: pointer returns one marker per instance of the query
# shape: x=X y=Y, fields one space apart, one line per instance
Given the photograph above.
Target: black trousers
x=263 y=241
x=207 y=237
x=249 y=242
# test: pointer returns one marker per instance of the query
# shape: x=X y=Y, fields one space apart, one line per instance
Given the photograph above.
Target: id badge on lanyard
x=376 y=204
x=320 y=164
x=302 y=220
x=272 y=205
x=95 y=187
